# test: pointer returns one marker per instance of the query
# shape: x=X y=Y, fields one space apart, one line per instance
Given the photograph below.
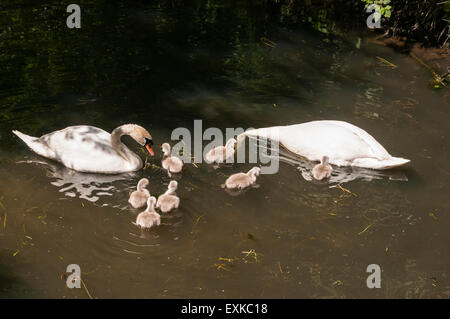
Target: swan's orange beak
x=148 y=146
x=149 y=149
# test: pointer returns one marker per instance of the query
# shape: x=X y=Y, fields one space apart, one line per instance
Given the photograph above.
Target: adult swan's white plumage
x=344 y=143
x=91 y=149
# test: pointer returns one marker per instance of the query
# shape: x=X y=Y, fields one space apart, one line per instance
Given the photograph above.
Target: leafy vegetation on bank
x=426 y=21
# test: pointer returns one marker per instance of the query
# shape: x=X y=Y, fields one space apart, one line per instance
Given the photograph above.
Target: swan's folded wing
x=315 y=139
x=376 y=147
x=84 y=148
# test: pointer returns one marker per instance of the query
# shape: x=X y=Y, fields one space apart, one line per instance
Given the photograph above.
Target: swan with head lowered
x=345 y=144
x=90 y=149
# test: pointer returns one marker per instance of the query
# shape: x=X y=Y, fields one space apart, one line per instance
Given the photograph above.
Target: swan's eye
x=148 y=142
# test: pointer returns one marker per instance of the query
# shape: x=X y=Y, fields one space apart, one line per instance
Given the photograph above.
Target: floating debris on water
x=279 y=267
x=386 y=62
x=365 y=229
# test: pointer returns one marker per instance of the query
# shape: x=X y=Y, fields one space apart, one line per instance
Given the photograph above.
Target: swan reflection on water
x=90 y=187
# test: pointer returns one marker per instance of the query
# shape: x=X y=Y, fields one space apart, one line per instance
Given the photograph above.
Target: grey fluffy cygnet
x=169 y=201
x=322 y=170
x=139 y=197
x=149 y=217
x=220 y=154
x=170 y=163
x=242 y=180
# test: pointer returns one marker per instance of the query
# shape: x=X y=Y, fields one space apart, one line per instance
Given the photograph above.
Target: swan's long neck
x=272 y=133
x=116 y=134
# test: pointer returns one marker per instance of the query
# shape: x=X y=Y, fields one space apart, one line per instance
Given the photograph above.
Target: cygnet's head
x=142 y=184
x=166 y=149
x=254 y=171
x=173 y=185
x=151 y=201
x=325 y=160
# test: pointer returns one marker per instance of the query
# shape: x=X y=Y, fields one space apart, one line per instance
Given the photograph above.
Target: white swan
x=220 y=154
x=90 y=149
x=344 y=143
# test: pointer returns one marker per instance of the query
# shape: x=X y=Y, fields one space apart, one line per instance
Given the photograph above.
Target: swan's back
x=376 y=147
x=79 y=139
x=81 y=147
x=338 y=140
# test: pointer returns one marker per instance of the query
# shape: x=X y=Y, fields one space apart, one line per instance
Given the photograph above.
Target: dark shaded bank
x=420 y=28
x=422 y=21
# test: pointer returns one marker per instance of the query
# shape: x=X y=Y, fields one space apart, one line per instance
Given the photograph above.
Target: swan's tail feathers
x=380 y=164
x=29 y=140
x=36 y=144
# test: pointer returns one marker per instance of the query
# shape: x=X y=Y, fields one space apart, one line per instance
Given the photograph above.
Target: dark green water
x=163 y=66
